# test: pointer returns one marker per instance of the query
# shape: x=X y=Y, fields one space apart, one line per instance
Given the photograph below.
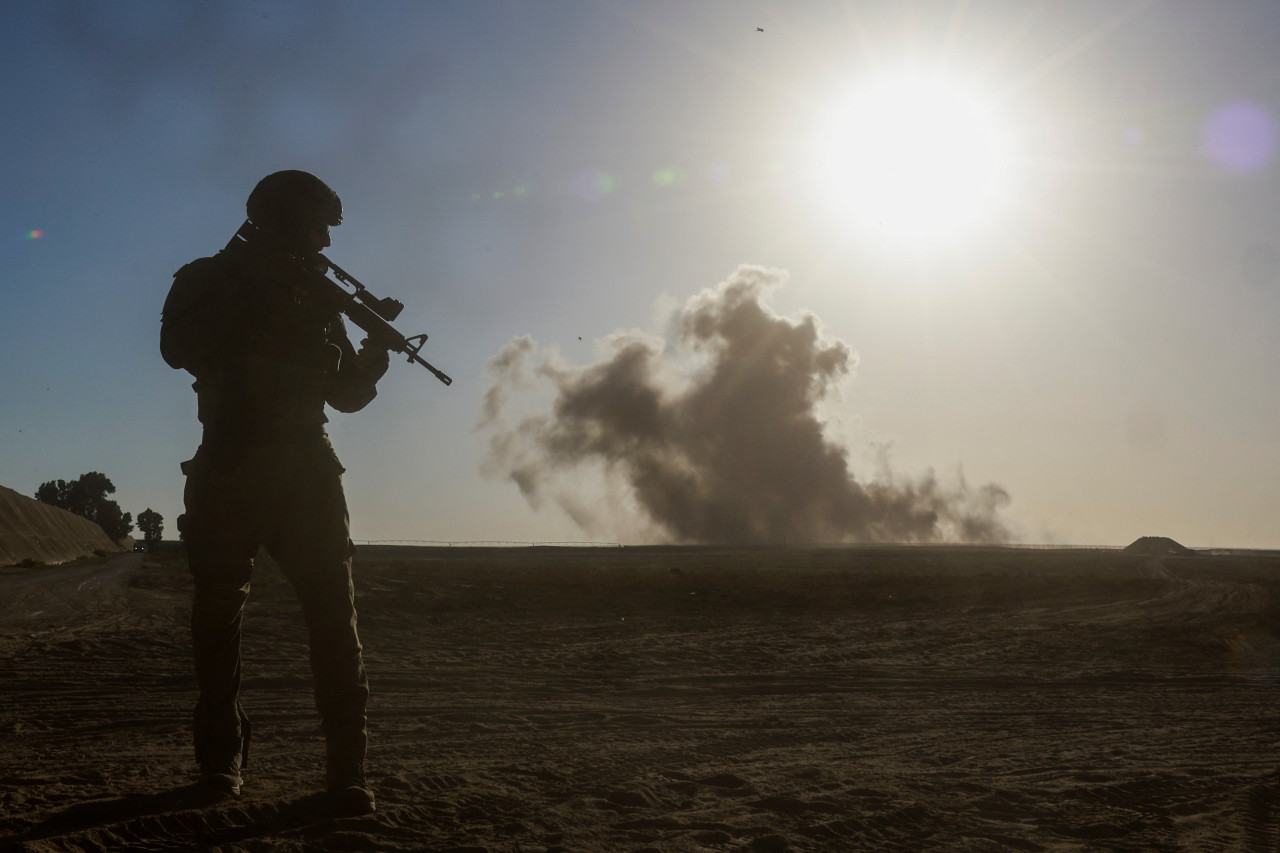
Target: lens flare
x=1241 y=137
x=35 y=234
x=593 y=184
x=664 y=177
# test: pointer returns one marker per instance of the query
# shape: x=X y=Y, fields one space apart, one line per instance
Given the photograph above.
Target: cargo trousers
x=287 y=497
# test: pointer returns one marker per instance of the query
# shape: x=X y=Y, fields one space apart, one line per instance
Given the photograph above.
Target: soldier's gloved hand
x=374 y=360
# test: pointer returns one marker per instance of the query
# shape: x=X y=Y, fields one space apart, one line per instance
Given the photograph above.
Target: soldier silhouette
x=268 y=353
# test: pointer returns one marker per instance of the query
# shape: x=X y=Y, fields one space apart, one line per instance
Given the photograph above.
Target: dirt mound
x=33 y=530
x=1157 y=546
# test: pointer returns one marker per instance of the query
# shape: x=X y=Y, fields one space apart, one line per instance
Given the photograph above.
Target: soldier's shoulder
x=204 y=267
x=197 y=283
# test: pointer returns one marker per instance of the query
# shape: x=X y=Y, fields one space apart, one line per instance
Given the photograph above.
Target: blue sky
x=1104 y=348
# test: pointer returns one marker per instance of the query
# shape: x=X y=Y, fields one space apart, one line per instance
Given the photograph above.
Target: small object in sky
x=759 y=29
x=579 y=337
x=35 y=234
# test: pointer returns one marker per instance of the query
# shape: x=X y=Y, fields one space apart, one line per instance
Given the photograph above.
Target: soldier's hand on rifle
x=374 y=360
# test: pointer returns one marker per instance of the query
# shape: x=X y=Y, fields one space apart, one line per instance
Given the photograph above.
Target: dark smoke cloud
x=712 y=436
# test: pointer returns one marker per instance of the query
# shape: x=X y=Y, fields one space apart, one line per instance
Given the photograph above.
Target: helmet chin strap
x=265 y=238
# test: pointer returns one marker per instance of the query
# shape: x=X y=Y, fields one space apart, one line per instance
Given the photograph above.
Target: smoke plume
x=711 y=436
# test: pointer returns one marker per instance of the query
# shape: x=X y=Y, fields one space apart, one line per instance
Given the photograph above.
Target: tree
x=87 y=498
x=117 y=524
x=151 y=523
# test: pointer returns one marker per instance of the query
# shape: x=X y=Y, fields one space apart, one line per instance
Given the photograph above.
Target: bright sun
x=914 y=159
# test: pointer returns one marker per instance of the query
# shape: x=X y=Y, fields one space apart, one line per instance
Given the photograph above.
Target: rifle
x=369 y=312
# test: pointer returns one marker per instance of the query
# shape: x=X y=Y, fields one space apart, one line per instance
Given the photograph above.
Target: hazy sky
x=1102 y=345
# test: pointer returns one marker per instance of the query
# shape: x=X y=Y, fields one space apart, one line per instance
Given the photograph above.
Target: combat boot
x=222 y=752
x=221 y=780
x=349 y=791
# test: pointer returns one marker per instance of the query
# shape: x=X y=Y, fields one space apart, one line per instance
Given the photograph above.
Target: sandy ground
x=674 y=700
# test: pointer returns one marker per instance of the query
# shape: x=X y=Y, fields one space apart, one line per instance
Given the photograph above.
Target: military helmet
x=290 y=196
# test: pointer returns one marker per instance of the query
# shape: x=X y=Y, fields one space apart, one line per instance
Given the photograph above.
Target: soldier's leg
x=220 y=553
x=314 y=549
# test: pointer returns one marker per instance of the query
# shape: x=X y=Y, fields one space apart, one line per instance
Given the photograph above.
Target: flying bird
x=759 y=29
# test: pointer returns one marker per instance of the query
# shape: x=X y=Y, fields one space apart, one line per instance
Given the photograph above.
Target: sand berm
x=35 y=531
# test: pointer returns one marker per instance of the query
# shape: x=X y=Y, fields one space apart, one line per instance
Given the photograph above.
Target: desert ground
x=673 y=699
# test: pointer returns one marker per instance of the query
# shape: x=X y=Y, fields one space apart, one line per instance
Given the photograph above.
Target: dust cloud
x=713 y=435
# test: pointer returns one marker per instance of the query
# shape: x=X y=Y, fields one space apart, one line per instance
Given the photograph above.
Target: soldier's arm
x=354 y=385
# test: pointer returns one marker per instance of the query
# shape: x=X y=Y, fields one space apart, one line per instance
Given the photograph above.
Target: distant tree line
x=86 y=496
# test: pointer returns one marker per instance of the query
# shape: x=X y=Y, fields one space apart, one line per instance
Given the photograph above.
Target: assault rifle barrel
x=372 y=314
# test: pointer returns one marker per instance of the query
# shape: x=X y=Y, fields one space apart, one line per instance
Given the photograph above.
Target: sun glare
x=913 y=159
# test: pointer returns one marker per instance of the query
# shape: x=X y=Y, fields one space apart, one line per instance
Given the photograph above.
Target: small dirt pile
x=1157 y=546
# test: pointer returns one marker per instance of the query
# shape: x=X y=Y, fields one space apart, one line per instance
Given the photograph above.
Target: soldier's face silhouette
x=302 y=236
x=316 y=236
